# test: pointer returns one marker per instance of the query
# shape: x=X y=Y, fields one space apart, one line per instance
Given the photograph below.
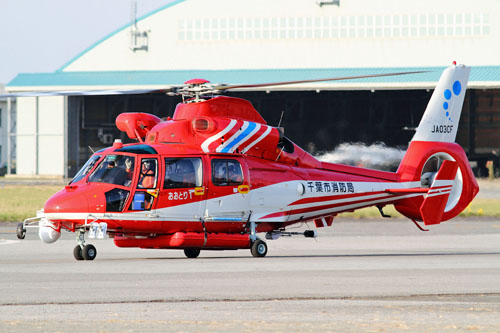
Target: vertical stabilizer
x=440 y=120
x=434 y=159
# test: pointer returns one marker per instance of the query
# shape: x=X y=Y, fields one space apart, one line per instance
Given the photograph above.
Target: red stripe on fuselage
x=332 y=197
x=324 y=207
x=213 y=146
x=254 y=137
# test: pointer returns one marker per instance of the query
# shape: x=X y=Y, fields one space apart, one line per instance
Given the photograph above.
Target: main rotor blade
x=273 y=84
x=86 y=92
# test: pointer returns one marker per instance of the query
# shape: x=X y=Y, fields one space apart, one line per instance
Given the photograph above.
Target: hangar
x=235 y=41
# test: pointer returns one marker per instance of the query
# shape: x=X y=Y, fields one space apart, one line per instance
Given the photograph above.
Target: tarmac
x=366 y=276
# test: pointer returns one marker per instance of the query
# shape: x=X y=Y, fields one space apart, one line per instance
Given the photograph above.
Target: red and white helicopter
x=215 y=176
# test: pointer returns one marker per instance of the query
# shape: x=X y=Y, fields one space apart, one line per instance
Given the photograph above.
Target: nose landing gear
x=81 y=251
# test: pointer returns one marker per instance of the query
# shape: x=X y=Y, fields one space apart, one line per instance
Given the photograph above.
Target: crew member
x=148 y=176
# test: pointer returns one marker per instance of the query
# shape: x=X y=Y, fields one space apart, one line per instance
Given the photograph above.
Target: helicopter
x=215 y=176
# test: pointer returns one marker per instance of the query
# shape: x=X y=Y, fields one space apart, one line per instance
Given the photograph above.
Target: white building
x=5 y=120
x=236 y=41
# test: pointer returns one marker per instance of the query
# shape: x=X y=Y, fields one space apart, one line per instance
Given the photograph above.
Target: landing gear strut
x=81 y=251
x=259 y=247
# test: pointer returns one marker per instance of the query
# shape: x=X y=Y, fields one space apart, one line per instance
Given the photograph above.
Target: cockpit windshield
x=114 y=169
x=85 y=169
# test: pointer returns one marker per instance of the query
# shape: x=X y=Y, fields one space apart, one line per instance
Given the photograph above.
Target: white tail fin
x=440 y=120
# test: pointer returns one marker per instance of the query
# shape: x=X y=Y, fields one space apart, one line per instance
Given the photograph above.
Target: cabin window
x=142 y=201
x=114 y=169
x=137 y=149
x=115 y=199
x=183 y=172
x=86 y=168
x=148 y=173
x=226 y=172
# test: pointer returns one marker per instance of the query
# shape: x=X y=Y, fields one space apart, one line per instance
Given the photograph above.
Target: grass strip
x=19 y=202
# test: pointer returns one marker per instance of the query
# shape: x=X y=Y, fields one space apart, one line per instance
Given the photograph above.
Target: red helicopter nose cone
x=67 y=201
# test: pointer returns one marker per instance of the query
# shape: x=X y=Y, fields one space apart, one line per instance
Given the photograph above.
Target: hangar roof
x=287 y=40
x=481 y=77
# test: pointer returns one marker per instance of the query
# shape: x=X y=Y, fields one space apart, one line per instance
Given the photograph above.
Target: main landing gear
x=192 y=253
x=259 y=248
x=82 y=251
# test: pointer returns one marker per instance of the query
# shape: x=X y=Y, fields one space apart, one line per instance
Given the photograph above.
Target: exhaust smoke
x=375 y=156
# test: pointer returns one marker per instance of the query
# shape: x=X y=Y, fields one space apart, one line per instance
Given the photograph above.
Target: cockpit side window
x=85 y=169
x=226 y=172
x=114 y=169
x=182 y=173
x=148 y=173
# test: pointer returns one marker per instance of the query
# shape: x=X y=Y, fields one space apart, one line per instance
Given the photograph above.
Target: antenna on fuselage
x=281 y=118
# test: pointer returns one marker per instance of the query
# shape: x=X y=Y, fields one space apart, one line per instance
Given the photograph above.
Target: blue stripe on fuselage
x=240 y=137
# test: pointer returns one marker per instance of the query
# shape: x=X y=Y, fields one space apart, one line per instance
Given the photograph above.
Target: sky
x=39 y=36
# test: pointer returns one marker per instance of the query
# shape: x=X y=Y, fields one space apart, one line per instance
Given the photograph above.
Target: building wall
x=40 y=136
x=235 y=34
x=4 y=130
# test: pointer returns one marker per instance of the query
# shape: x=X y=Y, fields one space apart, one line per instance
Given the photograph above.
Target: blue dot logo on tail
x=457 y=89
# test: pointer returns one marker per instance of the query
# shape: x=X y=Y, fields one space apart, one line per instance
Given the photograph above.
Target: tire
x=192 y=253
x=259 y=248
x=89 y=252
x=20 y=231
x=77 y=253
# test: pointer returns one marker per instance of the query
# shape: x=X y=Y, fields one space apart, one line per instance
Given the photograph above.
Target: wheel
x=259 y=248
x=21 y=232
x=89 y=252
x=192 y=253
x=77 y=253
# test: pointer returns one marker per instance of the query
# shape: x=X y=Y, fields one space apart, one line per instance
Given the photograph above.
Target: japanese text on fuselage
x=330 y=187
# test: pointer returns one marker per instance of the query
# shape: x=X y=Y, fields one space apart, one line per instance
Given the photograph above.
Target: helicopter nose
x=67 y=201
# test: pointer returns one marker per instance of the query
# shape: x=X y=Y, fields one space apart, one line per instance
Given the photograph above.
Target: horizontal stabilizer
x=432 y=208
